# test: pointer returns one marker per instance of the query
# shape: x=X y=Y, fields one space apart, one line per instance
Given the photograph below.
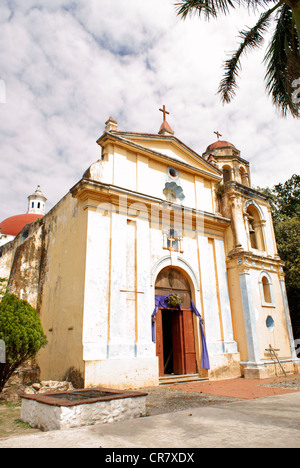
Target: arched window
x=266 y=289
x=226 y=174
x=244 y=176
x=255 y=228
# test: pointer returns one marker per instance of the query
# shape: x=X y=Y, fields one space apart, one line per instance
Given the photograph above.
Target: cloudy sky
x=67 y=65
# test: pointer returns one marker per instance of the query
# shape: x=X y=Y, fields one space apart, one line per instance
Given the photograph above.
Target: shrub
x=22 y=333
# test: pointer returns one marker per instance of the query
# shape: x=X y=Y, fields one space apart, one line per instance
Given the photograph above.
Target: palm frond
x=252 y=38
x=283 y=63
x=209 y=8
x=255 y=5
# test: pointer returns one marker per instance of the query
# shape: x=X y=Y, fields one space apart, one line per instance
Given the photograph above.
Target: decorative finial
x=111 y=125
x=218 y=135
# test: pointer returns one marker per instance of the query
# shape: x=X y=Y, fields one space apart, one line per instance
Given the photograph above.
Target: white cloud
x=68 y=65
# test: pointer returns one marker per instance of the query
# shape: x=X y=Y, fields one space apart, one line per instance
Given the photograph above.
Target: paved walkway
x=271 y=421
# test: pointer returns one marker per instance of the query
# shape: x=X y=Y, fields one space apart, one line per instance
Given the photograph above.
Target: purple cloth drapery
x=162 y=302
x=205 y=359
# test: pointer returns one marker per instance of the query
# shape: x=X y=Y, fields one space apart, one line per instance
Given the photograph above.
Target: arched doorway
x=175 y=337
x=255 y=228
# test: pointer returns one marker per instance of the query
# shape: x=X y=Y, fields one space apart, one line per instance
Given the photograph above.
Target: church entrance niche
x=175 y=338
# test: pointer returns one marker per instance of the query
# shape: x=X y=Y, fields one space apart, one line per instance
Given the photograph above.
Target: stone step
x=172 y=379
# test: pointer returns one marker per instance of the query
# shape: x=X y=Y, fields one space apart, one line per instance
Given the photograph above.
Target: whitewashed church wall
x=96 y=296
x=165 y=148
x=203 y=195
x=122 y=354
x=276 y=335
x=210 y=295
x=107 y=165
x=145 y=299
x=217 y=309
x=143 y=184
x=230 y=345
x=130 y=291
x=137 y=173
x=125 y=169
x=155 y=179
x=118 y=251
x=118 y=343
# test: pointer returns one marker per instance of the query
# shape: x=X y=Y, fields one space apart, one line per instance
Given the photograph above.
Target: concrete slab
x=272 y=422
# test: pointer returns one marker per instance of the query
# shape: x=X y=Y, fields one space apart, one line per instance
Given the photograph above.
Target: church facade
x=152 y=221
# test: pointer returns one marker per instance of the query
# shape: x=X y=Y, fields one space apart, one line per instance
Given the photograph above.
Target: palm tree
x=282 y=57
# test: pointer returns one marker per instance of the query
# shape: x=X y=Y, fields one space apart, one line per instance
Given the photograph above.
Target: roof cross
x=163 y=110
x=218 y=135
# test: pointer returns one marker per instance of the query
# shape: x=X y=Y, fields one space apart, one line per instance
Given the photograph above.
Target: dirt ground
x=170 y=399
x=10 y=423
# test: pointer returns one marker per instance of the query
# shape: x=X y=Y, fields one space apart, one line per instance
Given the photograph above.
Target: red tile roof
x=220 y=144
x=12 y=226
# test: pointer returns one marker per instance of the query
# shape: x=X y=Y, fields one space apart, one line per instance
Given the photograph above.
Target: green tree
x=285 y=199
x=285 y=206
x=21 y=332
x=288 y=242
x=282 y=57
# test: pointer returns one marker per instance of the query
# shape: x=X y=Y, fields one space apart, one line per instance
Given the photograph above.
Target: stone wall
x=49 y=418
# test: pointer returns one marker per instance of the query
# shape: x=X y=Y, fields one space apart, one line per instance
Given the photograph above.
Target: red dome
x=12 y=226
x=220 y=144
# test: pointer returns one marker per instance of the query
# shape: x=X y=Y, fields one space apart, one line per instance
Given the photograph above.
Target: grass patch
x=10 y=422
x=22 y=424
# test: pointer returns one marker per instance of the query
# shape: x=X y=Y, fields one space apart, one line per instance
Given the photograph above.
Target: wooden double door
x=175 y=342
x=175 y=337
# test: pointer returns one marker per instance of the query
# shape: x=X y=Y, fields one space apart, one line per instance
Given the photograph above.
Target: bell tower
x=228 y=159
x=37 y=202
